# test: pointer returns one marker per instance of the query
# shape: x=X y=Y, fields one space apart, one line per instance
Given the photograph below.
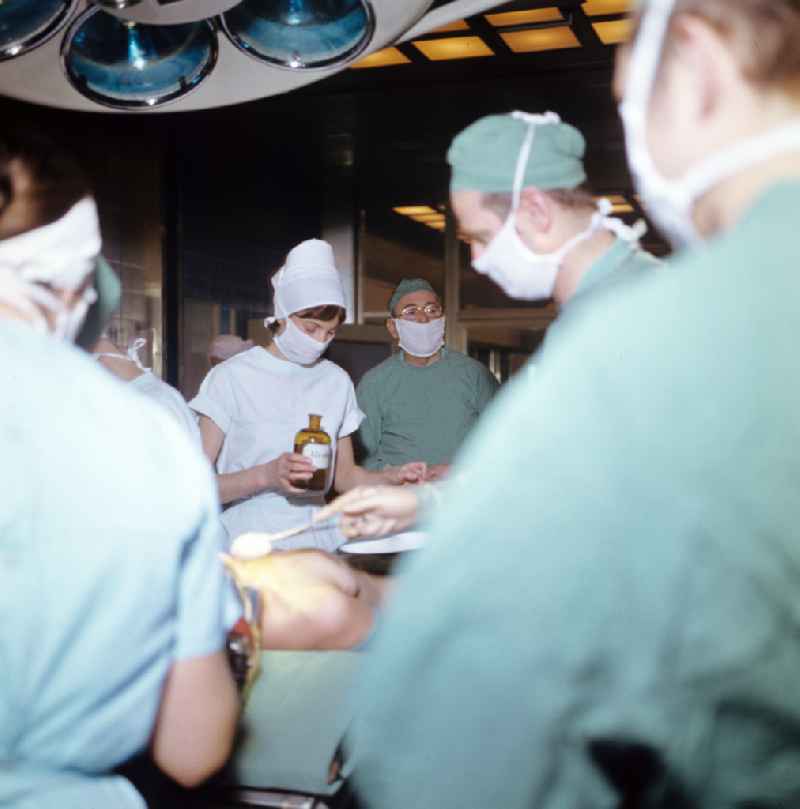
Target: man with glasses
x=421 y=402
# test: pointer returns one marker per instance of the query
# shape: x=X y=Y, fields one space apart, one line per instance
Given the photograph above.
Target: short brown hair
x=765 y=35
x=324 y=313
x=39 y=183
x=571 y=198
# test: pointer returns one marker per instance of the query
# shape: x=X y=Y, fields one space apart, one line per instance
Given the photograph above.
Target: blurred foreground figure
x=620 y=624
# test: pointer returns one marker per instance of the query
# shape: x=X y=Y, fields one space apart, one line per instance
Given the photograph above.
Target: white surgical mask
x=68 y=322
x=60 y=255
x=299 y=347
x=671 y=202
x=519 y=271
x=420 y=339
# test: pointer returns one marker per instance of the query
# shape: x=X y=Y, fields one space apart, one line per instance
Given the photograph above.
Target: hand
x=287 y=470
x=438 y=472
x=311 y=600
x=374 y=511
x=408 y=473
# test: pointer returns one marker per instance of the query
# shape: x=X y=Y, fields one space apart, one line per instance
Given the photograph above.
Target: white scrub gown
x=260 y=402
x=165 y=395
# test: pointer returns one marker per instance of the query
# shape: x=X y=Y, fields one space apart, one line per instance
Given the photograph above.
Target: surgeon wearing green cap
x=421 y=403
x=518 y=192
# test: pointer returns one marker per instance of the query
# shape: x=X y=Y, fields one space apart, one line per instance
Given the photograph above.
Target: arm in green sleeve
x=369 y=433
x=486 y=389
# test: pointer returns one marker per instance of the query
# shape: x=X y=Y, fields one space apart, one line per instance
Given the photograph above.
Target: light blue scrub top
x=625 y=573
x=109 y=573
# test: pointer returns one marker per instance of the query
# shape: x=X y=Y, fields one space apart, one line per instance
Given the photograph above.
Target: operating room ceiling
x=151 y=55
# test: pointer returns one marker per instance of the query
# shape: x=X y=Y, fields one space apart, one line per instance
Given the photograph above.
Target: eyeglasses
x=432 y=310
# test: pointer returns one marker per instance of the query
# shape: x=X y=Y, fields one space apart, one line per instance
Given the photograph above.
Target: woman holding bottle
x=260 y=405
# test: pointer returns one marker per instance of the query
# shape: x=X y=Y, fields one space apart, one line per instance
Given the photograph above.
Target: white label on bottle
x=320 y=454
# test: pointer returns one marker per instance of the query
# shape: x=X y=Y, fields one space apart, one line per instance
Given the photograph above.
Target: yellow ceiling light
x=614 y=32
x=541 y=39
x=458 y=25
x=441 y=50
x=436 y=225
x=414 y=210
x=597 y=8
x=522 y=17
x=383 y=58
x=429 y=217
x=619 y=204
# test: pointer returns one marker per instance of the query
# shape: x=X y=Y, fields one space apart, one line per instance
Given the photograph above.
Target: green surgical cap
x=484 y=156
x=406 y=287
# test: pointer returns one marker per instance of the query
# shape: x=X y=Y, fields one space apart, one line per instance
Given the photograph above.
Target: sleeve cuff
x=206 y=406
x=351 y=423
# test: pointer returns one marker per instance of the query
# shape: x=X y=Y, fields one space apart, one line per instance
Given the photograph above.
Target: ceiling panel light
x=383 y=58
x=613 y=32
x=619 y=203
x=429 y=217
x=441 y=50
x=522 y=17
x=25 y=24
x=414 y=210
x=300 y=34
x=458 y=25
x=597 y=8
x=541 y=39
x=127 y=65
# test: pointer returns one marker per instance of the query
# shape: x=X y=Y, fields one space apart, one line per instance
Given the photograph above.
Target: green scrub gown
x=613 y=596
x=109 y=573
x=421 y=414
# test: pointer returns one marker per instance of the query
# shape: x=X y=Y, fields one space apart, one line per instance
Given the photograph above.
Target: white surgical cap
x=309 y=278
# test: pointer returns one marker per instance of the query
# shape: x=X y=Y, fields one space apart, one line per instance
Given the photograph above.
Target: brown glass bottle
x=315 y=444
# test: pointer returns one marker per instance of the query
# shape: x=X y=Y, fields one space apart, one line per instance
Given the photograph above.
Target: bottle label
x=319 y=454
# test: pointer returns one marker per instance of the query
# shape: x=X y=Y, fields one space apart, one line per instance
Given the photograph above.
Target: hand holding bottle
x=287 y=471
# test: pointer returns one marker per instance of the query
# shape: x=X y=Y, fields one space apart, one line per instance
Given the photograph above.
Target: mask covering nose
x=420 y=339
x=519 y=271
x=671 y=203
x=298 y=347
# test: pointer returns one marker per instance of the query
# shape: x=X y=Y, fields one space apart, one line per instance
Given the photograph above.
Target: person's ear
x=536 y=212
x=391 y=327
x=710 y=68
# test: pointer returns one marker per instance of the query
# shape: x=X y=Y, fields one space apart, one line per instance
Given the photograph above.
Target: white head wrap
x=309 y=278
x=61 y=254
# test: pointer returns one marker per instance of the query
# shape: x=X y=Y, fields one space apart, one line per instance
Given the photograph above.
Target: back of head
x=39 y=183
x=765 y=35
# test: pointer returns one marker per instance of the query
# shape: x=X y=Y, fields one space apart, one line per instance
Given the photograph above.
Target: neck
x=275 y=351
x=421 y=362
x=579 y=261
x=722 y=207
